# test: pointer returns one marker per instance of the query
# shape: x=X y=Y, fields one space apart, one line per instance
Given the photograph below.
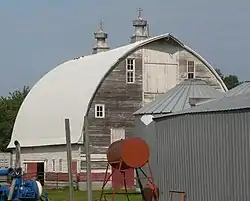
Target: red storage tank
x=129 y=153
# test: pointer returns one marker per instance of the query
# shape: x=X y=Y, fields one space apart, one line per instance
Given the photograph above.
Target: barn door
x=74 y=169
x=31 y=170
x=117 y=177
x=117 y=134
x=159 y=78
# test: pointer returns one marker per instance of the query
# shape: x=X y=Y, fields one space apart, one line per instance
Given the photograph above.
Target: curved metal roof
x=67 y=92
x=178 y=98
x=240 y=89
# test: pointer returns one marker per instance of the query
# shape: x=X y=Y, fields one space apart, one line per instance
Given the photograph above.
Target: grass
x=63 y=195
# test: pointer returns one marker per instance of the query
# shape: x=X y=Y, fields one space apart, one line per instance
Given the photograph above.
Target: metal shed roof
x=236 y=102
x=178 y=97
x=240 y=89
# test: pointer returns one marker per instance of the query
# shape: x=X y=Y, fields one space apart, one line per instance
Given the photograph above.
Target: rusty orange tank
x=128 y=153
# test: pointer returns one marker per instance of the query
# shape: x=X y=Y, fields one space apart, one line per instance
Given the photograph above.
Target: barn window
x=130 y=70
x=53 y=165
x=99 y=111
x=60 y=165
x=190 y=69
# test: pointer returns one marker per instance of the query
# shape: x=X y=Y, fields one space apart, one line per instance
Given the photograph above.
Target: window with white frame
x=130 y=70
x=53 y=165
x=60 y=165
x=99 y=110
x=190 y=69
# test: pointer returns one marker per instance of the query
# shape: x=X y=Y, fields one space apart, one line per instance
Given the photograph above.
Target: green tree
x=9 y=107
x=230 y=81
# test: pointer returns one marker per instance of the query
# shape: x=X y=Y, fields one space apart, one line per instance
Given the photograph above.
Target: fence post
x=69 y=158
x=88 y=158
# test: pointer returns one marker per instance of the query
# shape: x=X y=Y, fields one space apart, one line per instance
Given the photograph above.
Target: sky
x=36 y=36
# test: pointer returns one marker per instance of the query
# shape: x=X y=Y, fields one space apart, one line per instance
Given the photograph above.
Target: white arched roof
x=66 y=92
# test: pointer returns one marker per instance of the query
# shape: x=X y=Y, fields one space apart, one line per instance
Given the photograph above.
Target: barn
x=203 y=152
x=189 y=93
x=107 y=87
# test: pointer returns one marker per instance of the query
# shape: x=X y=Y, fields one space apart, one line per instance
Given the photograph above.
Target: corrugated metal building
x=205 y=151
x=240 y=89
x=191 y=91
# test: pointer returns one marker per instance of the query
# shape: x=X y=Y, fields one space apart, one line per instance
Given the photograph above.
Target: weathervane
x=101 y=25
x=140 y=13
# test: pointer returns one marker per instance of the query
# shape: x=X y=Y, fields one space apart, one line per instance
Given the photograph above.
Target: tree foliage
x=230 y=81
x=9 y=107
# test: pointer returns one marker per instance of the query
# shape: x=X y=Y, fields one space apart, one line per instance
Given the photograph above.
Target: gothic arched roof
x=67 y=91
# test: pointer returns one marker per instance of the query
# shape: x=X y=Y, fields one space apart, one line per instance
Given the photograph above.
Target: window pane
x=98 y=108
x=190 y=63
x=98 y=114
x=130 y=77
x=130 y=61
x=130 y=67
x=190 y=69
x=190 y=75
x=130 y=64
x=99 y=111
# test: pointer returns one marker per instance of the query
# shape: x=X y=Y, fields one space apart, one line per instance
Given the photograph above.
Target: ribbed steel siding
x=147 y=133
x=205 y=155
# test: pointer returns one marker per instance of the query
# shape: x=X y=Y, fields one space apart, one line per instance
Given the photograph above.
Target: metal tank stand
x=149 y=192
x=183 y=195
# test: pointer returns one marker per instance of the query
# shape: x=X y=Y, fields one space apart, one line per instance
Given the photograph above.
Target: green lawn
x=63 y=195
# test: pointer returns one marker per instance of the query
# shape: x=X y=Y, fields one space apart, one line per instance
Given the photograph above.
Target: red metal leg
x=105 y=181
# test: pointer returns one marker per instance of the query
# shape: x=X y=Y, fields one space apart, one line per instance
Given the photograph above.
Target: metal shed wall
x=147 y=133
x=207 y=155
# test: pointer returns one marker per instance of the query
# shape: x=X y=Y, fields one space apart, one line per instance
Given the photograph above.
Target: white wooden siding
x=5 y=160
x=160 y=77
x=46 y=154
x=201 y=71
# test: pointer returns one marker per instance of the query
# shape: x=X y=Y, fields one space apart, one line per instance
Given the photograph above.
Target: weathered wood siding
x=159 y=67
x=201 y=70
x=121 y=101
